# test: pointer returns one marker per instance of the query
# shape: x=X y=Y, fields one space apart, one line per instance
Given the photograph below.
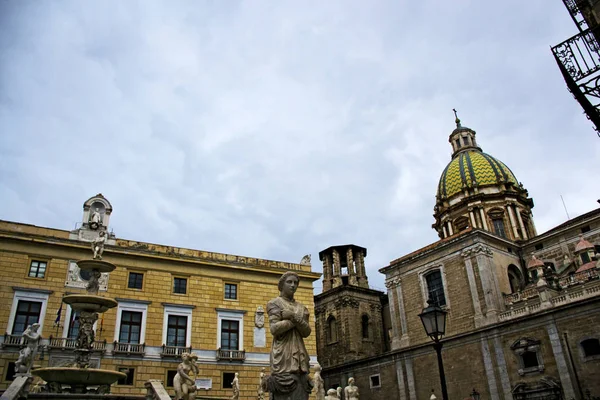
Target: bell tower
x=348 y=313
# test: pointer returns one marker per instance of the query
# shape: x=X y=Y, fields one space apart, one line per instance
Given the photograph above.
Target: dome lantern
x=479 y=191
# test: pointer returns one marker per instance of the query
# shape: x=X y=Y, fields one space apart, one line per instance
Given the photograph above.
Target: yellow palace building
x=170 y=300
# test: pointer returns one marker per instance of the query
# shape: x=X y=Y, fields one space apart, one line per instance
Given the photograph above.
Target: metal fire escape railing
x=579 y=60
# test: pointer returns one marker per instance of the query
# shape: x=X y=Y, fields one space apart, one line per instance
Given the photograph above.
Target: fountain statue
x=185 y=386
x=77 y=375
x=235 y=385
x=351 y=391
x=261 y=380
x=27 y=354
x=288 y=320
x=318 y=382
x=332 y=394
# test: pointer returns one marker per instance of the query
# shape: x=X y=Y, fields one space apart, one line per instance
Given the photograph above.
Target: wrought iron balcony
x=129 y=348
x=231 y=355
x=579 y=61
x=70 y=344
x=12 y=340
x=174 y=351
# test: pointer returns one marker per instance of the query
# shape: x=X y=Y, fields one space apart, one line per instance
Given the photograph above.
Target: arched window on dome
x=461 y=223
x=331 y=330
x=466 y=140
x=497 y=217
x=515 y=278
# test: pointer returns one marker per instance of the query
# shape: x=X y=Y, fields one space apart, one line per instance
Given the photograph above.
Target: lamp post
x=434 y=322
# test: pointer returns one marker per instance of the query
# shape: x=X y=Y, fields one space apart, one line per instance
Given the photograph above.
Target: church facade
x=170 y=300
x=523 y=309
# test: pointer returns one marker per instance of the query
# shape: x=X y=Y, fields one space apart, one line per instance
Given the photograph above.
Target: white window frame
x=28 y=296
x=182 y=311
x=423 y=283
x=231 y=315
x=371 y=381
x=136 y=307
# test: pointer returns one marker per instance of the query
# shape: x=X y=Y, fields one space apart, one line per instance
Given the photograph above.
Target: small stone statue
x=351 y=391
x=185 y=387
x=95 y=219
x=27 y=354
x=339 y=392
x=94 y=283
x=289 y=325
x=318 y=382
x=86 y=336
x=305 y=260
x=332 y=394
x=261 y=384
x=235 y=385
x=98 y=245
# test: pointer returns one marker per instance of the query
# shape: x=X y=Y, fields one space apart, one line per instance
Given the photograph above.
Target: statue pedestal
x=289 y=386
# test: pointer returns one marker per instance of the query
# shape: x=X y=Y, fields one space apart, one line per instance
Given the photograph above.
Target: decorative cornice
x=136 y=301
x=347 y=302
x=191 y=306
x=477 y=249
x=231 y=310
x=33 y=290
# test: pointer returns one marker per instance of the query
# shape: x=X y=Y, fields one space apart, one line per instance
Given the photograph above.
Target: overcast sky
x=276 y=129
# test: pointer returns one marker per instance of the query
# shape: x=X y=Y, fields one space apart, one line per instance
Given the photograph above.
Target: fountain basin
x=87 y=302
x=79 y=377
x=101 y=266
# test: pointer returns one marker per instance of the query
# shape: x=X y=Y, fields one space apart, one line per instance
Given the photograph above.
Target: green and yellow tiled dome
x=473 y=166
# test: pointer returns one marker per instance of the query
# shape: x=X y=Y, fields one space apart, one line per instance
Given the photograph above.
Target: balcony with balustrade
x=565 y=290
x=12 y=340
x=129 y=349
x=69 y=344
x=174 y=351
x=231 y=355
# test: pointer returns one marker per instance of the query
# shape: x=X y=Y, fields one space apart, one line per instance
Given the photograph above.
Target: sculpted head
x=35 y=327
x=351 y=381
x=318 y=367
x=288 y=283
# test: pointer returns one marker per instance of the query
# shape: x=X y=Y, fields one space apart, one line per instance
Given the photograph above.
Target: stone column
x=450 y=231
x=472 y=217
x=327 y=271
x=478 y=318
x=483 y=219
x=513 y=222
x=403 y=327
x=487 y=276
x=489 y=369
x=337 y=269
x=400 y=380
x=502 y=369
x=523 y=230
x=561 y=362
x=362 y=273
x=445 y=231
x=351 y=267
x=390 y=285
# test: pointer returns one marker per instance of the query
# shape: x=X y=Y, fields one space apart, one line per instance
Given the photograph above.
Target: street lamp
x=434 y=322
x=475 y=395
